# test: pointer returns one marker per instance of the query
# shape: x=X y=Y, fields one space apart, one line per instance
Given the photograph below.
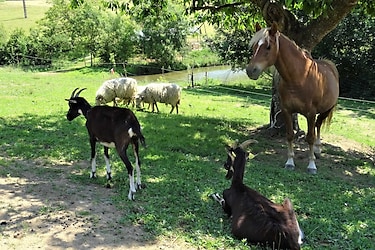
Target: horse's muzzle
x=253 y=72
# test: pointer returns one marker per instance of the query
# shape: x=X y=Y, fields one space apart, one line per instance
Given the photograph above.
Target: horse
x=307 y=86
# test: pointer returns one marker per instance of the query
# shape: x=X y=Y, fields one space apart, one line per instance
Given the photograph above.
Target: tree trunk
x=24 y=8
x=277 y=124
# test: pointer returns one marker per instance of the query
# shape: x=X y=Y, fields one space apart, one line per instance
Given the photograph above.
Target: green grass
x=12 y=14
x=182 y=164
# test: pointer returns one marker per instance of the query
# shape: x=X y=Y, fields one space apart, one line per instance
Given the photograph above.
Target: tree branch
x=326 y=22
x=216 y=7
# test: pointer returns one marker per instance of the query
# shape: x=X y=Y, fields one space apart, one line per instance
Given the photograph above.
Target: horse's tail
x=328 y=117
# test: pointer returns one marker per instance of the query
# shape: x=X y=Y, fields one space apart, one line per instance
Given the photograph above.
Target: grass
x=182 y=164
x=12 y=14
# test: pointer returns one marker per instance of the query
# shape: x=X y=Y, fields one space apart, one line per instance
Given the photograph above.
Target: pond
x=223 y=73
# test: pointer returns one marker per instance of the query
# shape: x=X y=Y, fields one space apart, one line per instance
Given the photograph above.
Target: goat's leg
x=222 y=203
x=137 y=162
x=122 y=153
x=107 y=163
x=93 y=158
x=217 y=198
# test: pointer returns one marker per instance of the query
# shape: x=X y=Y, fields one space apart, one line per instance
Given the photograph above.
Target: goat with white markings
x=112 y=127
x=254 y=217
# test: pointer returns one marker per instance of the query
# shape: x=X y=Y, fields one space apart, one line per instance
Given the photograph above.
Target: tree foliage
x=109 y=30
x=351 y=47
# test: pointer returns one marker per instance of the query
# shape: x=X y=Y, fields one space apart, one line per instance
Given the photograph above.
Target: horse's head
x=265 y=45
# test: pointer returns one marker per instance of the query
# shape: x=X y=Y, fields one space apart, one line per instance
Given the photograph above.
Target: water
x=223 y=73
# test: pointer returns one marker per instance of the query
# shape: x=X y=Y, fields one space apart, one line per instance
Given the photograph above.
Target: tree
x=354 y=55
x=164 y=30
x=306 y=22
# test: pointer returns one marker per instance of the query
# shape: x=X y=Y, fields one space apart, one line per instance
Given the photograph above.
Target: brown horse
x=307 y=86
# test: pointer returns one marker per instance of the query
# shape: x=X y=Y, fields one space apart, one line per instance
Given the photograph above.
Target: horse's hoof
x=109 y=176
x=317 y=155
x=312 y=170
x=289 y=167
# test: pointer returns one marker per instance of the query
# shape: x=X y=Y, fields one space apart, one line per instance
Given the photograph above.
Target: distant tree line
x=72 y=30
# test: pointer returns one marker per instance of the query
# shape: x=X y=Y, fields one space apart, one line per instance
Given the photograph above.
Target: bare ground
x=55 y=213
x=42 y=208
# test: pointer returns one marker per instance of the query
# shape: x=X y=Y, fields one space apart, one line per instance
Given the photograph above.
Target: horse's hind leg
x=318 y=143
x=318 y=124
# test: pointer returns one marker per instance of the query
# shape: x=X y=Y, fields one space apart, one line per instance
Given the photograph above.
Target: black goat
x=254 y=217
x=112 y=127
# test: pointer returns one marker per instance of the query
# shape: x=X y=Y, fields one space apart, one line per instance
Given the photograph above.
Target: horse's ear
x=273 y=29
x=257 y=27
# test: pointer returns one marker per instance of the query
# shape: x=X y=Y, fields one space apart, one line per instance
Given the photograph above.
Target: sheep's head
x=75 y=104
x=232 y=152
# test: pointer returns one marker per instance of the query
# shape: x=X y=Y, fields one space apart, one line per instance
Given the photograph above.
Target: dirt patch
x=43 y=209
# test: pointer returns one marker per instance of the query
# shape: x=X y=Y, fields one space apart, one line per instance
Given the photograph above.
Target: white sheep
x=124 y=88
x=167 y=93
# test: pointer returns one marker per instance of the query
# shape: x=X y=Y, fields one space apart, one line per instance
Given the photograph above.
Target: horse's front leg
x=310 y=138
x=289 y=137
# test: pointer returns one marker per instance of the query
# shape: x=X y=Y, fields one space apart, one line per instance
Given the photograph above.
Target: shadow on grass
x=182 y=166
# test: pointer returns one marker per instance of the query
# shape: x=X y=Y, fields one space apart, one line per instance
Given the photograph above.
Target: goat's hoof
x=289 y=166
x=108 y=185
x=109 y=176
x=215 y=196
x=141 y=186
x=131 y=196
x=312 y=170
x=93 y=175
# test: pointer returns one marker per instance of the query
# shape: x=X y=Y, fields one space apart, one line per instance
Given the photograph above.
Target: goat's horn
x=73 y=92
x=247 y=143
x=79 y=92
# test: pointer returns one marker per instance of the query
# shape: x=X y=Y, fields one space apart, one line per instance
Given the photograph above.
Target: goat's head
x=75 y=104
x=232 y=152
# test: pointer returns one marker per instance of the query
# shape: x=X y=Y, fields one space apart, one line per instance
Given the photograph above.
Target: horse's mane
x=261 y=34
x=264 y=34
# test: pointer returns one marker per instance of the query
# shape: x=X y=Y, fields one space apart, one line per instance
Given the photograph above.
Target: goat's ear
x=287 y=204
x=71 y=101
x=230 y=152
x=247 y=155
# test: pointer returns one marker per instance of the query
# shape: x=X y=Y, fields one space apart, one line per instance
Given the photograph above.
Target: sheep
x=113 y=127
x=160 y=92
x=124 y=88
x=254 y=217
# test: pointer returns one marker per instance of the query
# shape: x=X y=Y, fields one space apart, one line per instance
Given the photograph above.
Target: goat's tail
x=136 y=131
x=142 y=140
